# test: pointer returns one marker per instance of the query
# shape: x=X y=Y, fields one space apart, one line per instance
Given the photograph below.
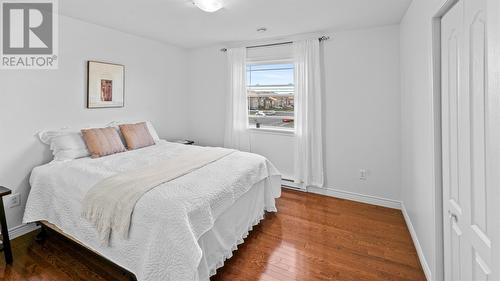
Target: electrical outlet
x=14 y=200
x=362 y=174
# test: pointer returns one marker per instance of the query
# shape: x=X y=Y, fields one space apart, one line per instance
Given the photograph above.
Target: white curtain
x=236 y=135
x=308 y=127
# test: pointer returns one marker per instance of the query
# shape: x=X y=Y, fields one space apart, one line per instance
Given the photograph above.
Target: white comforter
x=167 y=221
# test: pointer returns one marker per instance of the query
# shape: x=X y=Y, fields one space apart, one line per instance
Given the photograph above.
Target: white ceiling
x=179 y=22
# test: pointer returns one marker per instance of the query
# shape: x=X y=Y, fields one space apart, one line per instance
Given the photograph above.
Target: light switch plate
x=362 y=174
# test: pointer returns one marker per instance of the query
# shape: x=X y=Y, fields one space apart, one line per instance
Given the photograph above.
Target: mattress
x=222 y=200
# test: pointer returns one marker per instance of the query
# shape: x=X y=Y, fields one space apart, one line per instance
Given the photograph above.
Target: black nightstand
x=5 y=246
x=186 y=142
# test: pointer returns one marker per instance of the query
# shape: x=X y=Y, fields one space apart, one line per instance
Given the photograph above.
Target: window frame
x=272 y=129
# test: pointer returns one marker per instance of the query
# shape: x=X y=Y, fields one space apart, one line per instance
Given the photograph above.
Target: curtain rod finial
x=324 y=38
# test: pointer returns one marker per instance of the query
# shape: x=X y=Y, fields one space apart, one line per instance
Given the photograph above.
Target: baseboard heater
x=288 y=183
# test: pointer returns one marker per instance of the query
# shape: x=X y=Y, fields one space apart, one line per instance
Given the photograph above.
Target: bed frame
x=45 y=225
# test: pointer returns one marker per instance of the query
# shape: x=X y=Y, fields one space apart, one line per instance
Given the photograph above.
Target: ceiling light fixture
x=209 y=6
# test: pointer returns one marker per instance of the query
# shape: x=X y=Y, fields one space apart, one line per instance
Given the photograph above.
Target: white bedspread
x=167 y=221
x=109 y=204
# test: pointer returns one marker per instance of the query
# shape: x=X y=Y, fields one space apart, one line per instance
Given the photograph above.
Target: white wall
x=419 y=190
x=362 y=110
x=155 y=77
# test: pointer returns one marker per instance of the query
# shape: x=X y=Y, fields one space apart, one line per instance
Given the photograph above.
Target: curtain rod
x=321 y=39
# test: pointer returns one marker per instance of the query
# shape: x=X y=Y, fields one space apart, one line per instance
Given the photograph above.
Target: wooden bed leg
x=40 y=237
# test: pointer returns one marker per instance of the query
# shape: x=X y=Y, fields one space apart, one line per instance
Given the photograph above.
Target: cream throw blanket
x=109 y=204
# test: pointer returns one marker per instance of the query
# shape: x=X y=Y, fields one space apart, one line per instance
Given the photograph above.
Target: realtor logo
x=29 y=35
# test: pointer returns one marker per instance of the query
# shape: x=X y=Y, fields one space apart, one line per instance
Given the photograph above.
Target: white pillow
x=65 y=144
x=150 y=126
x=65 y=155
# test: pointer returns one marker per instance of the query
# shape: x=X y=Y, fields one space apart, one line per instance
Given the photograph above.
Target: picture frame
x=105 y=85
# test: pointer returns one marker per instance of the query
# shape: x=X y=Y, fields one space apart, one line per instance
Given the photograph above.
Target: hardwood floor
x=312 y=237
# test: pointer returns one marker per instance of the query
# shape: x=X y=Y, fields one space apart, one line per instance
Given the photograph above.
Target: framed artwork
x=105 y=85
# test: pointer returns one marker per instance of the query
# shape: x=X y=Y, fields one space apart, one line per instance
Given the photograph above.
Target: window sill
x=272 y=131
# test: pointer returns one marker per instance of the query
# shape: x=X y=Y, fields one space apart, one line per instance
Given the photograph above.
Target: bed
x=183 y=229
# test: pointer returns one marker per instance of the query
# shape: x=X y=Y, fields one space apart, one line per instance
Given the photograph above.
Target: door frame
x=493 y=86
x=436 y=110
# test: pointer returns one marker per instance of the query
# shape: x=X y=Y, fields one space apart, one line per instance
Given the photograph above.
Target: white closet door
x=452 y=89
x=467 y=164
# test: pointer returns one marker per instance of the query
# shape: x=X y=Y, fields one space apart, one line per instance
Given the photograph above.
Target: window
x=270 y=90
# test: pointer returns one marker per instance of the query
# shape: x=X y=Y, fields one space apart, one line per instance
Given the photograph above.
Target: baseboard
x=379 y=201
x=22 y=229
x=420 y=252
x=294 y=188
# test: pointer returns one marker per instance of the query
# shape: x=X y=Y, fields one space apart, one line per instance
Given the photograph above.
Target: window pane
x=270 y=74
x=270 y=91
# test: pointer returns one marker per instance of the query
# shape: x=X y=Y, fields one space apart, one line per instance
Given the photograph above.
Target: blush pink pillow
x=103 y=141
x=136 y=135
